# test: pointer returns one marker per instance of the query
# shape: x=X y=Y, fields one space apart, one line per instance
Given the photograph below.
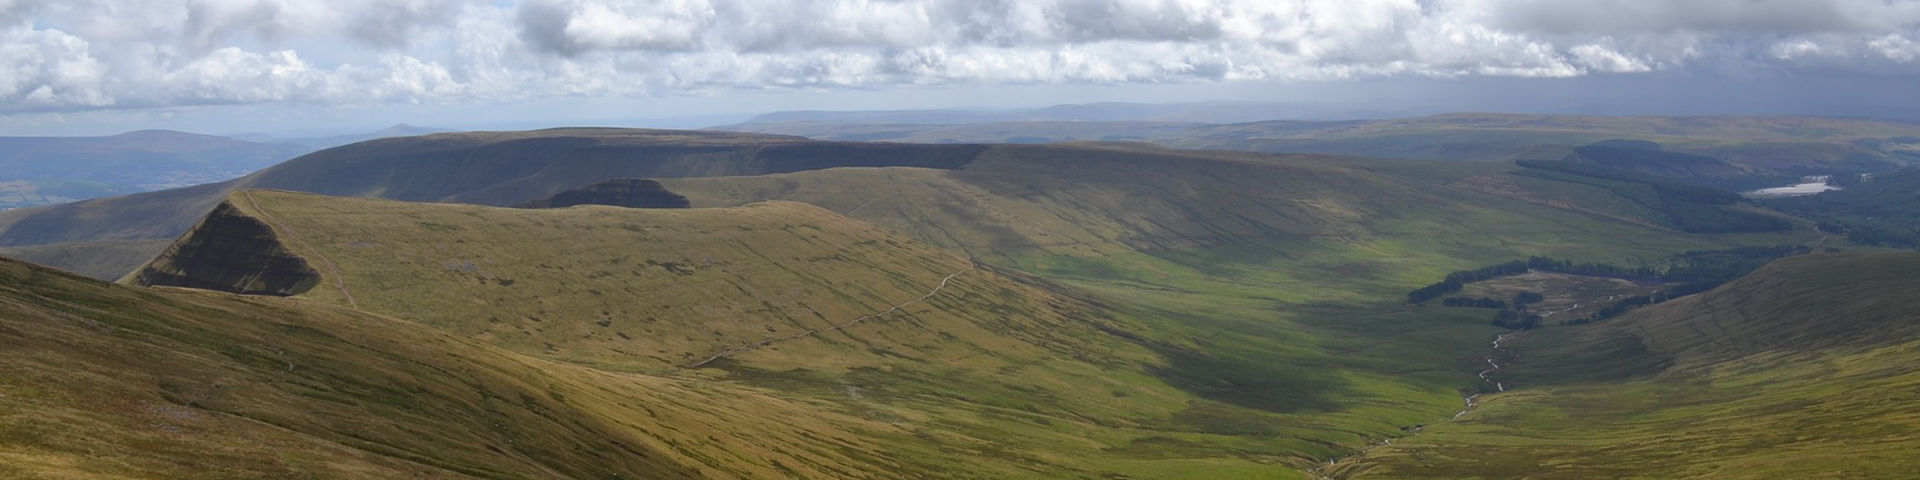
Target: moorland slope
x=1801 y=369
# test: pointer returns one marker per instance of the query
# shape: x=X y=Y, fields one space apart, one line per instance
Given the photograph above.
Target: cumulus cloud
x=1897 y=48
x=121 y=54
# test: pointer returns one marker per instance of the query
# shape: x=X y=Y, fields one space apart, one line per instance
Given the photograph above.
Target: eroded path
x=333 y=271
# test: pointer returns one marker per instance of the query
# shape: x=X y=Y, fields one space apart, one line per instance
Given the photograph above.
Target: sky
x=82 y=67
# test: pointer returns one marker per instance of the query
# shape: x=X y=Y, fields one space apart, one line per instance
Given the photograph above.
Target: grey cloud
x=545 y=25
x=1620 y=17
x=208 y=24
x=395 y=24
x=1100 y=20
x=87 y=54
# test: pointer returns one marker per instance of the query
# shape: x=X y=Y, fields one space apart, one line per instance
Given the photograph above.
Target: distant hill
x=489 y=168
x=46 y=170
x=1654 y=162
x=1196 y=113
x=1761 y=142
x=1670 y=202
x=1884 y=210
x=513 y=168
x=1801 y=369
x=401 y=130
x=1757 y=150
x=620 y=192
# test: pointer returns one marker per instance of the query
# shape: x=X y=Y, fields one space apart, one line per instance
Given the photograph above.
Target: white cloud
x=1602 y=58
x=43 y=69
x=92 y=54
x=1795 y=49
x=1896 y=47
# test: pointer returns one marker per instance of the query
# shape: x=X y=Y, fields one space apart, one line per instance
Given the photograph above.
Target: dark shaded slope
x=1653 y=162
x=145 y=216
x=509 y=168
x=1685 y=206
x=230 y=252
x=631 y=193
x=1798 y=304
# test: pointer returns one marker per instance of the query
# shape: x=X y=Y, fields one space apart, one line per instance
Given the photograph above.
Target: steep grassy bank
x=103 y=381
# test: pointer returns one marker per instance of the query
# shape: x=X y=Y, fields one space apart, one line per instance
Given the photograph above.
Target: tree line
x=1695 y=272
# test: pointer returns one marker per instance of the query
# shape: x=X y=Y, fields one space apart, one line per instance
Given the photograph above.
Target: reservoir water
x=1794 y=190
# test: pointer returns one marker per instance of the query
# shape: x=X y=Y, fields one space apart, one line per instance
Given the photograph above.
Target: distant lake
x=1794 y=190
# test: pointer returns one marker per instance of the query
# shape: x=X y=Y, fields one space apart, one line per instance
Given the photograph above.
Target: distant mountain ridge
x=1205 y=112
x=400 y=130
x=488 y=168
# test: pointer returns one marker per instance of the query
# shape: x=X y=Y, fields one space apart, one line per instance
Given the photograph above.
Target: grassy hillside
x=1105 y=199
x=1193 y=331
x=1303 y=274
x=625 y=289
x=109 y=382
x=980 y=362
x=1799 y=370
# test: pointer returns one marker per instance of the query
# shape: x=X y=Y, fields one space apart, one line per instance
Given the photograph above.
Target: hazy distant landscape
x=54 y=170
x=1058 y=239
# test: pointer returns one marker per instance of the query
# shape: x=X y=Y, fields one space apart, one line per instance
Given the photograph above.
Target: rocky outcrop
x=230 y=251
x=623 y=192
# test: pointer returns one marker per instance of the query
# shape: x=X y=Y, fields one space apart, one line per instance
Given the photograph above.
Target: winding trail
x=868 y=202
x=724 y=354
x=1816 y=243
x=332 y=270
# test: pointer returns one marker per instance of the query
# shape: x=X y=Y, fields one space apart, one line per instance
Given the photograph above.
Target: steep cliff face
x=230 y=251
x=621 y=192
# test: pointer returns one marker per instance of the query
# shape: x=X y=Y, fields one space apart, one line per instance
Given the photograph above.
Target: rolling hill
x=1754 y=149
x=1230 y=345
x=488 y=168
x=1799 y=370
x=997 y=372
x=513 y=168
x=104 y=381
